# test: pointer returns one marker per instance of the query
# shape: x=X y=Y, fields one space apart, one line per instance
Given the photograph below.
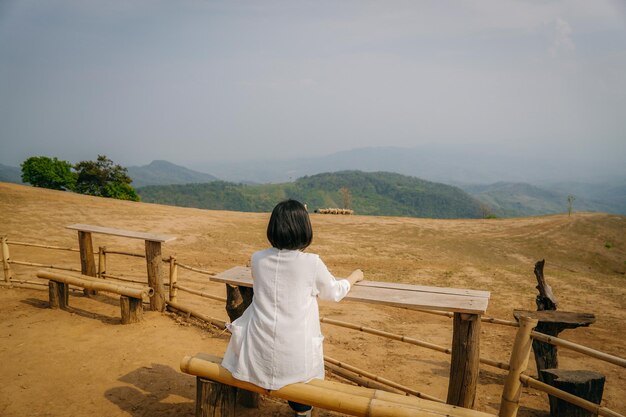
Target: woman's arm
x=354 y=277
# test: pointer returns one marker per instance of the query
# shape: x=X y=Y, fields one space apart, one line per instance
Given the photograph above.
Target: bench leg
x=58 y=293
x=132 y=309
x=214 y=399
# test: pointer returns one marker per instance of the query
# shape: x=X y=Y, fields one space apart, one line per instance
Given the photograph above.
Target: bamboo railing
x=332 y=363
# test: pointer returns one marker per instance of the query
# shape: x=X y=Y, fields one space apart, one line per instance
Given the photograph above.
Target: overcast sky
x=193 y=81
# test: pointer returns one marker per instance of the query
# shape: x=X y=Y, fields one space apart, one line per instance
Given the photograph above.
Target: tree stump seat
x=552 y=322
x=584 y=384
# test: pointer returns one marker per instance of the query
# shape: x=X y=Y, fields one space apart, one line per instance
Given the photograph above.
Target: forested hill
x=378 y=193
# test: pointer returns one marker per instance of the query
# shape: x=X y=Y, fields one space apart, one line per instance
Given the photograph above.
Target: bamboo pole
x=191 y=268
x=518 y=364
x=615 y=360
x=92 y=284
x=380 y=379
x=395 y=398
x=120 y=278
x=102 y=261
x=119 y=252
x=405 y=339
x=587 y=405
x=386 y=334
x=35 y=245
x=44 y=266
x=318 y=396
x=362 y=382
x=20 y=283
x=216 y=322
x=448 y=314
x=173 y=278
x=200 y=293
x=6 y=260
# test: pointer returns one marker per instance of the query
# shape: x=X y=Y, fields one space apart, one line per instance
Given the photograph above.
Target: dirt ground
x=83 y=362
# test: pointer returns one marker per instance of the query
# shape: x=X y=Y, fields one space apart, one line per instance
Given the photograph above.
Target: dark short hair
x=289 y=226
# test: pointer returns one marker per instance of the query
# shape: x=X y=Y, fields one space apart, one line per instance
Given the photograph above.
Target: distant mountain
x=10 y=174
x=460 y=164
x=165 y=173
x=521 y=199
x=377 y=193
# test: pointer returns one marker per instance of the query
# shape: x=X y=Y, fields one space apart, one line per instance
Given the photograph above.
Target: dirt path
x=85 y=363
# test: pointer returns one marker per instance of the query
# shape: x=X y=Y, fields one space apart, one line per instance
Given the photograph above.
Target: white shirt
x=278 y=341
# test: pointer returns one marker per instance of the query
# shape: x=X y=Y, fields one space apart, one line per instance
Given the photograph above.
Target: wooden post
x=517 y=364
x=58 y=294
x=238 y=298
x=102 y=261
x=87 y=262
x=5 y=260
x=464 y=366
x=173 y=279
x=132 y=309
x=155 y=277
x=214 y=399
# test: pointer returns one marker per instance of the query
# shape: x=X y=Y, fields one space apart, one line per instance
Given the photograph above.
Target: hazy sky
x=192 y=81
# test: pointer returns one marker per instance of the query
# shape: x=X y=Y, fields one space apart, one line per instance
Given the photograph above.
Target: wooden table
x=153 y=256
x=467 y=306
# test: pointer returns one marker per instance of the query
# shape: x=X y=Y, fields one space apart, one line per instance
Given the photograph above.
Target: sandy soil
x=84 y=363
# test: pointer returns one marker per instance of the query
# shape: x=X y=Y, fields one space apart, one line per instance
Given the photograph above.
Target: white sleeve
x=326 y=286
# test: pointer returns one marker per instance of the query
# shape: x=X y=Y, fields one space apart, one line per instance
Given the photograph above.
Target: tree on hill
x=45 y=172
x=102 y=178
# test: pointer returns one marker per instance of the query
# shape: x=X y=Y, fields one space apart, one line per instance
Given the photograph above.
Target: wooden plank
x=383 y=294
x=153 y=237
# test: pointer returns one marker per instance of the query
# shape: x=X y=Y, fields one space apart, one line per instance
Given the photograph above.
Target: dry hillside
x=84 y=363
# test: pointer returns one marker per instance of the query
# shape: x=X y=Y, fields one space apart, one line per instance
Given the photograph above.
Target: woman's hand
x=355 y=276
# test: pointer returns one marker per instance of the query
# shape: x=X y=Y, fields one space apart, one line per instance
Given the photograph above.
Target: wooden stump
x=585 y=384
x=132 y=309
x=237 y=300
x=58 y=293
x=214 y=399
x=464 y=366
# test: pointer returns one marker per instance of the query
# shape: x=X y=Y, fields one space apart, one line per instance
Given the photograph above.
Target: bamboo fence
x=330 y=362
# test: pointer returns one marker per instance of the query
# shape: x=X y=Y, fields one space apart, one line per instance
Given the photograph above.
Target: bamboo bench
x=216 y=390
x=131 y=298
x=467 y=306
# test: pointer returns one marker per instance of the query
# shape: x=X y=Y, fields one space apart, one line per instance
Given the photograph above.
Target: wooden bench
x=467 y=306
x=153 y=256
x=131 y=298
x=216 y=390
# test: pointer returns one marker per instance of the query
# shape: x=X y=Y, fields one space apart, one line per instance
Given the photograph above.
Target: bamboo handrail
x=119 y=278
x=191 y=268
x=36 y=283
x=405 y=339
x=36 y=245
x=381 y=379
x=119 y=252
x=571 y=398
x=616 y=360
x=216 y=322
x=359 y=380
x=200 y=293
x=483 y=319
x=43 y=266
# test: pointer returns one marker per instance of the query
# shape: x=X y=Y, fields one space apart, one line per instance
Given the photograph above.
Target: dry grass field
x=84 y=363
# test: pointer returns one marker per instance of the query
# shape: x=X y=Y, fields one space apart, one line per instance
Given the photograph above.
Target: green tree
x=45 y=172
x=105 y=179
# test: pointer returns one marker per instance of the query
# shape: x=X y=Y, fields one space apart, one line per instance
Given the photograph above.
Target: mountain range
x=165 y=173
x=368 y=193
